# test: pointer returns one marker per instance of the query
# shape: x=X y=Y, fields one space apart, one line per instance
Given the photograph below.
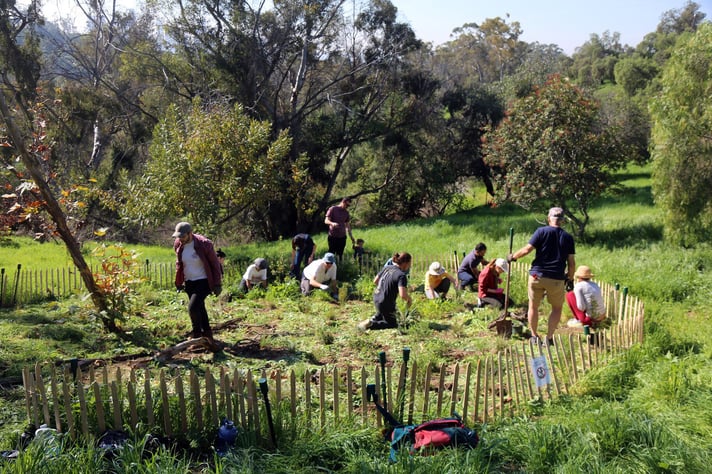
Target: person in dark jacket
x=199 y=273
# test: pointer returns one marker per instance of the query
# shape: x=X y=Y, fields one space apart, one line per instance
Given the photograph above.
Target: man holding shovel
x=551 y=272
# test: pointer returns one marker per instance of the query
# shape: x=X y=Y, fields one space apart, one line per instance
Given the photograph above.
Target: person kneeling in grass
x=586 y=299
x=488 y=291
x=391 y=282
x=437 y=282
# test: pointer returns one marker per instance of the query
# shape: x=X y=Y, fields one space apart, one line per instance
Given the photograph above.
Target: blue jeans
x=300 y=256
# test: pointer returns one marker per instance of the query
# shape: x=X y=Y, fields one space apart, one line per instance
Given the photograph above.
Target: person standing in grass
x=586 y=299
x=551 y=272
x=392 y=282
x=339 y=221
x=437 y=282
x=198 y=272
x=469 y=267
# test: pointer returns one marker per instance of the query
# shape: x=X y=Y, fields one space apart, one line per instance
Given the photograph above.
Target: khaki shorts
x=553 y=289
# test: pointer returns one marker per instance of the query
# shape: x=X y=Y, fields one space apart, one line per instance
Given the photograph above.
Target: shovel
x=504 y=323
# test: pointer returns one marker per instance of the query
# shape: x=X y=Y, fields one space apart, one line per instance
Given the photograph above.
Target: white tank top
x=193 y=267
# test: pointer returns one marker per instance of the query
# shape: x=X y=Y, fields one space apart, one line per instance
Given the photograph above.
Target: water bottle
x=227 y=434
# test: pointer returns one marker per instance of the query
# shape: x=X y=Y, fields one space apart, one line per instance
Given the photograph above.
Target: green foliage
x=682 y=119
x=551 y=150
x=214 y=163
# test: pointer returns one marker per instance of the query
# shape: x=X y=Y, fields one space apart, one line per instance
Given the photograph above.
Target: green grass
x=646 y=411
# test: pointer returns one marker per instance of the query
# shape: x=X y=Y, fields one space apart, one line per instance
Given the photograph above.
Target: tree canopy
x=682 y=140
x=551 y=149
x=362 y=105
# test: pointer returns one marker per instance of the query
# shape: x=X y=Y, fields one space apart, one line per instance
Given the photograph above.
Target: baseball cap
x=182 y=229
x=261 y=263
x=329 y=257
x=502 y=263
x=556 y=213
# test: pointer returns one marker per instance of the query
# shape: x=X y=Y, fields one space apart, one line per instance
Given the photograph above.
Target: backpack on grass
x=432 y=435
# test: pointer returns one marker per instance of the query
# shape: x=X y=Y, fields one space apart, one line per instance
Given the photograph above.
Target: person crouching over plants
x=255 y=275
x=488 y=291
x=586 y=300
x=437 y=282
x=321 y=274
x=391 y=282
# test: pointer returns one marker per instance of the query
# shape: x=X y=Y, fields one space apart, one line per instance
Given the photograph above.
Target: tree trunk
x=57 y=215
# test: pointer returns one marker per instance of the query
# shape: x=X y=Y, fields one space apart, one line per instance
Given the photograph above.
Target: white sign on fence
x=540 y=371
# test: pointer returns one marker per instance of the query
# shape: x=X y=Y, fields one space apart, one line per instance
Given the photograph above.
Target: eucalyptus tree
x=24 y=112
x=595 y=60
x=482 y=53
x=322 y=69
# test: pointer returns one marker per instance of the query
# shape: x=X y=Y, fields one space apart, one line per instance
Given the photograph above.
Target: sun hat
x=261 y=263
x=436 y=269
x=502 y=263
x=182 y=229
x=329 y=257
x=583 y=272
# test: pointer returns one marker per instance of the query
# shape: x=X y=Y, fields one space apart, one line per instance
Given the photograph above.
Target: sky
x=567 y=23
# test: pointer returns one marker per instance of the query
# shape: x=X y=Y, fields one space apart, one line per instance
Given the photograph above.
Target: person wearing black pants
x=339 y=221
x=391 y=283
x=199 y=273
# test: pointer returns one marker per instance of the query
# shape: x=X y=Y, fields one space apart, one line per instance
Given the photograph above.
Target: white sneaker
x=574 y=323
x=365 y=324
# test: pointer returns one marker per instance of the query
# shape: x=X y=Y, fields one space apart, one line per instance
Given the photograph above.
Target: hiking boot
x=550 y=342
x=365 y=325
x=536 y=340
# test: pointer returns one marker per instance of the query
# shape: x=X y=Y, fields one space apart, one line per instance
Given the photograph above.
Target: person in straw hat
x=586 y=300
x=437 y=281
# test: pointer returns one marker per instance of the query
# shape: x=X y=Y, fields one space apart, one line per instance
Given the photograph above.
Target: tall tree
x=595 y=60
x=682 y=141
x=305 y=66
x=551 y=149
x=483 y=53
x=25 y=131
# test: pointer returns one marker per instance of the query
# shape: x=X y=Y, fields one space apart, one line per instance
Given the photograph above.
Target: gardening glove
x=510 y=258
x=569 y=285
x=217 y=290
x=324 y=287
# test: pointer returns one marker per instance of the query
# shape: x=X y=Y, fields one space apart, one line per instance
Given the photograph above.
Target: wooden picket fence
x=176 y=402
x=24 y=286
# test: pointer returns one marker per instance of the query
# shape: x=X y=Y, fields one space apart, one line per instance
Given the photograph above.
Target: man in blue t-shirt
x=553 y=267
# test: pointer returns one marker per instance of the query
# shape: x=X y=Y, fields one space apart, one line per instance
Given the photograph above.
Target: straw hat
x=583 y=272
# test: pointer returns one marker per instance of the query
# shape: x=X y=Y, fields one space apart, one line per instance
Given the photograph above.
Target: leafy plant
x=117 y=278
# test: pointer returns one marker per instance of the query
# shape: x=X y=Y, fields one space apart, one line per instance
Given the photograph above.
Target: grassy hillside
x=647 y=411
